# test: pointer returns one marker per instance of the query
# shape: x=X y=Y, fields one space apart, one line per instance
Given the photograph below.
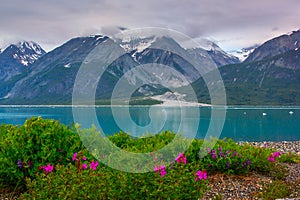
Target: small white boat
x=291 y=112
x=264 y=114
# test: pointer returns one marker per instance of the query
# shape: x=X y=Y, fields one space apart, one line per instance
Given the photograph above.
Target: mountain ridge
x=267 y=76
x=275 y=46
x=271 y=80
x=51 y=78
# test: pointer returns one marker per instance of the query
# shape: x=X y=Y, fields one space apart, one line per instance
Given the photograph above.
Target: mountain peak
x=209 y=45
x=138 y=44
x=23 y=52
x=292 y=32
x=29 y=45
x=276 y=46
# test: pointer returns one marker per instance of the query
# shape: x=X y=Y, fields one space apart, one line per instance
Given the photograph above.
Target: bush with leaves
x=36 y=143
x=180 y=181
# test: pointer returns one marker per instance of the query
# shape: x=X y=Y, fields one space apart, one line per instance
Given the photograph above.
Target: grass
x=27 y=150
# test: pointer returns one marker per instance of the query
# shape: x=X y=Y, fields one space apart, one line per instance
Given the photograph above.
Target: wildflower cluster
x=226 y=161
x=161 y=170
x=221 y=154
x=78 y=158
x=246 y=163
x=273 y=156
x=47 y=168
x=201 y=175
x=94 y=165
x=181 y=158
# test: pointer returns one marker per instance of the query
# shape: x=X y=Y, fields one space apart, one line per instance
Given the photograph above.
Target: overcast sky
x=233 y=24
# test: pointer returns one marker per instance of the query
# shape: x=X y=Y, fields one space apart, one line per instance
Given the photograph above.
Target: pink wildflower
x=163 y=173
x=158 y=168
x=74 y=157
x=276 y=154
x=84 y=166
x=201 y=175
x=271 y=159
x=181 y=158
x=84 y=158
x=94 y=165
x=48 y=168
x=161 y=170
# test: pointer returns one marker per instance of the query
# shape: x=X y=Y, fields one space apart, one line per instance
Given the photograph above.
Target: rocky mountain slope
x=50 y=79
x=276 y=46
x=270 y=75
x=15 y=62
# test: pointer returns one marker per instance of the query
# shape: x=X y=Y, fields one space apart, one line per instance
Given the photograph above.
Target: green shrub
x=226 y=157
x=229 y=157
x=40 y=142
x=69 y=182
x=36 y=143
x=289 y=158
x=145 y=144
x=276 y=189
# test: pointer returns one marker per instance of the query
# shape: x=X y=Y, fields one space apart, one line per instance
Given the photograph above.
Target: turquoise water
x=241 y=123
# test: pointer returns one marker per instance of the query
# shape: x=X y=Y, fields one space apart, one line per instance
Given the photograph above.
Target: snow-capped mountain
x=23 y=52
x=28 y=52
x=137 y=44
x=15 y=61
x=243 y=53
x=51 y=78
x=269 y=76
x=206 y=48
x=276 y=46
x=219 y=56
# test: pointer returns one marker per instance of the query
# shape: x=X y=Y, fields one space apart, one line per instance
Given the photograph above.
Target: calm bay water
x=241 y=123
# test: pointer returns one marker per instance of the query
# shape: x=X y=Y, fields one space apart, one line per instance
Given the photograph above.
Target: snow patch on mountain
x=67 y=65
x=28 y=52
x=209 y=45
x=24 y=46
x=213 y=48
x=242 y=54
x=292 y=32
x=137 y=44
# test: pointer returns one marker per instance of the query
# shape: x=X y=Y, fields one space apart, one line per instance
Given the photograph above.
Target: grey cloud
x=53 y=22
